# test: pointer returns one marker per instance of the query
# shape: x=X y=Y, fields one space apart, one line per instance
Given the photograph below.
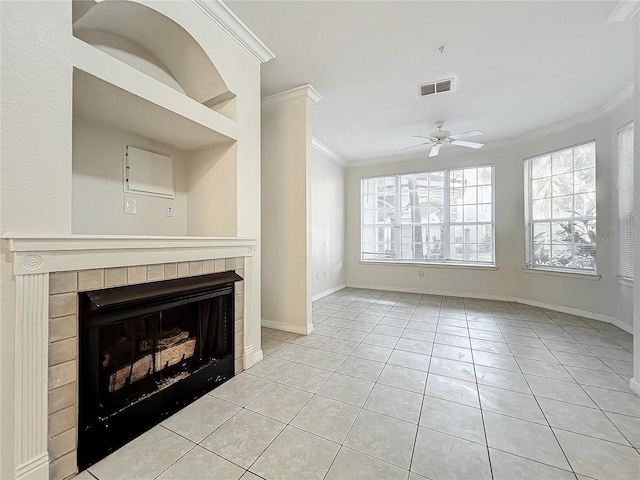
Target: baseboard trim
x=257 y=356
x=288 y=327
x=634 y=385
x=505 y=298
x=328 y=292
x=36 y=468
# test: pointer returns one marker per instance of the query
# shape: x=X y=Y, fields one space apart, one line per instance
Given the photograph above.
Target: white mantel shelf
x=49 y=253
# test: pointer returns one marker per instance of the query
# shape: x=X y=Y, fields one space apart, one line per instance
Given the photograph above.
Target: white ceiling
x=518 y=66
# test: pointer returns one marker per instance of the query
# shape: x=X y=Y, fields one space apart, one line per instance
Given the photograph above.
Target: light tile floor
x=408 y=386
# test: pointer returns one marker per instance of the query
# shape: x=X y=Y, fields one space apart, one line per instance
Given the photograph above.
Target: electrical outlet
x=421 y=273
x=317 y=276
x=168 y=209
x=130 y=207
x=324 y=274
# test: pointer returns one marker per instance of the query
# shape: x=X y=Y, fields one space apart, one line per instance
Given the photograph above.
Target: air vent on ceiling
x=440 y=86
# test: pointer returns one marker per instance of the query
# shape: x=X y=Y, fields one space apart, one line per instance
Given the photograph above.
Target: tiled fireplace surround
x=54 y=295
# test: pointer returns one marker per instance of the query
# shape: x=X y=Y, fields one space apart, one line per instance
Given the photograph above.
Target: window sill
x=626 y=281
x=430 y=265
x=561 y=273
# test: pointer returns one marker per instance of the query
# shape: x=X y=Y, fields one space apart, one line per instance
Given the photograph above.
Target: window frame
x=446 y=225
x=528 y=213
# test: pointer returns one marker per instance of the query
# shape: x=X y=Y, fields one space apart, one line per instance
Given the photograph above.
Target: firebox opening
x=148 y=350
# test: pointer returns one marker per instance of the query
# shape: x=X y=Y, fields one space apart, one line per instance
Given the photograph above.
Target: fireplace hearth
x=147 y=351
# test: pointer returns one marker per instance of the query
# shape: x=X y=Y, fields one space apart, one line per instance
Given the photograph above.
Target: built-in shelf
x=109 y=91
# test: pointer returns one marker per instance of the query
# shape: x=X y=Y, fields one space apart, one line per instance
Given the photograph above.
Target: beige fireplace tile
x=195 y=268
x=240 y=271
x=90 y=279
x=155 y=272
x=137 y=274
x=238 y=366
x=183 y=269
x=63 y=351
x=220 y=265
x=63 y=397
x=170 y=270
x=62 y=327
x=240 y=263
x=239 y=339
x=63 y=443
x=62 y=304
x=114 y=277
x=239 y=311
x=63 y=282
x=239 y=287
x=63 y=374
x=230 y=263
x=63 y=467
x=239 y=325
x=208 y=266
x=62 y=420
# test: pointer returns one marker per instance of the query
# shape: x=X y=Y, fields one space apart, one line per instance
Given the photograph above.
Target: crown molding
x=292 y=95
x=625 y=10
x=622 y=96
x=217 y=11
x=322 y=148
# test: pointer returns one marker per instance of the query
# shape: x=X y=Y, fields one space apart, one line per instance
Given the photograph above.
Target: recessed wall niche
x=146 y=82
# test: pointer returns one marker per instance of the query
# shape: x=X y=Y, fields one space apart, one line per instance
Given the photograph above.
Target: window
x=561 y=209
x=442 y=216
x=625 y=201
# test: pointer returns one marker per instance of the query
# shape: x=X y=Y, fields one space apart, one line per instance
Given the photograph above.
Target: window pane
x=484 y=176
x=470 y=213
x=541 y=167
x=541 y=209
x=484 y=194
x=562 y=207
x=485 y=213
x=562 y=185
x=541 y=232
x=585 y=204
x=470 y=195
x=584 y=181
x=562 y=162
x=585 y=156
x=470 y=177
x=541 y=188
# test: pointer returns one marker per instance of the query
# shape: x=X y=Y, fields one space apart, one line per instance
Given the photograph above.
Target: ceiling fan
x=440 y=137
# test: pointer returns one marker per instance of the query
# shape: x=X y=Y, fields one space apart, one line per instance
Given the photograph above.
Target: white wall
x=327 y=224
x=572 y=292
x=212 y=192
x=286 y=141
x=98 y=194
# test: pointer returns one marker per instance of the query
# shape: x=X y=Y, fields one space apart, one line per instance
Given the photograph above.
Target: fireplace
x=148 y=350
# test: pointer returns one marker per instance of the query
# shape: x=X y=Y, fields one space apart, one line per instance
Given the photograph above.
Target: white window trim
x=446 y=225
x=545 y=269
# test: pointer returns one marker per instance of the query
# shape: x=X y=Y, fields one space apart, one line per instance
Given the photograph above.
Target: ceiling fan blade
x=413 y=146
x=470 y=133
x=435 y=149
x=462 y=143
x=421 y=136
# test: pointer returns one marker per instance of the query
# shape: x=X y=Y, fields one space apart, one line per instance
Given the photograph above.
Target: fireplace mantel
x=52 y=253
x=34 y=257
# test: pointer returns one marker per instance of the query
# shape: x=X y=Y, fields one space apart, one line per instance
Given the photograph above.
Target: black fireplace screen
x=148 y=350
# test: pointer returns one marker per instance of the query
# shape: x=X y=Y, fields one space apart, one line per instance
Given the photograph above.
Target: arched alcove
x=157 y=46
